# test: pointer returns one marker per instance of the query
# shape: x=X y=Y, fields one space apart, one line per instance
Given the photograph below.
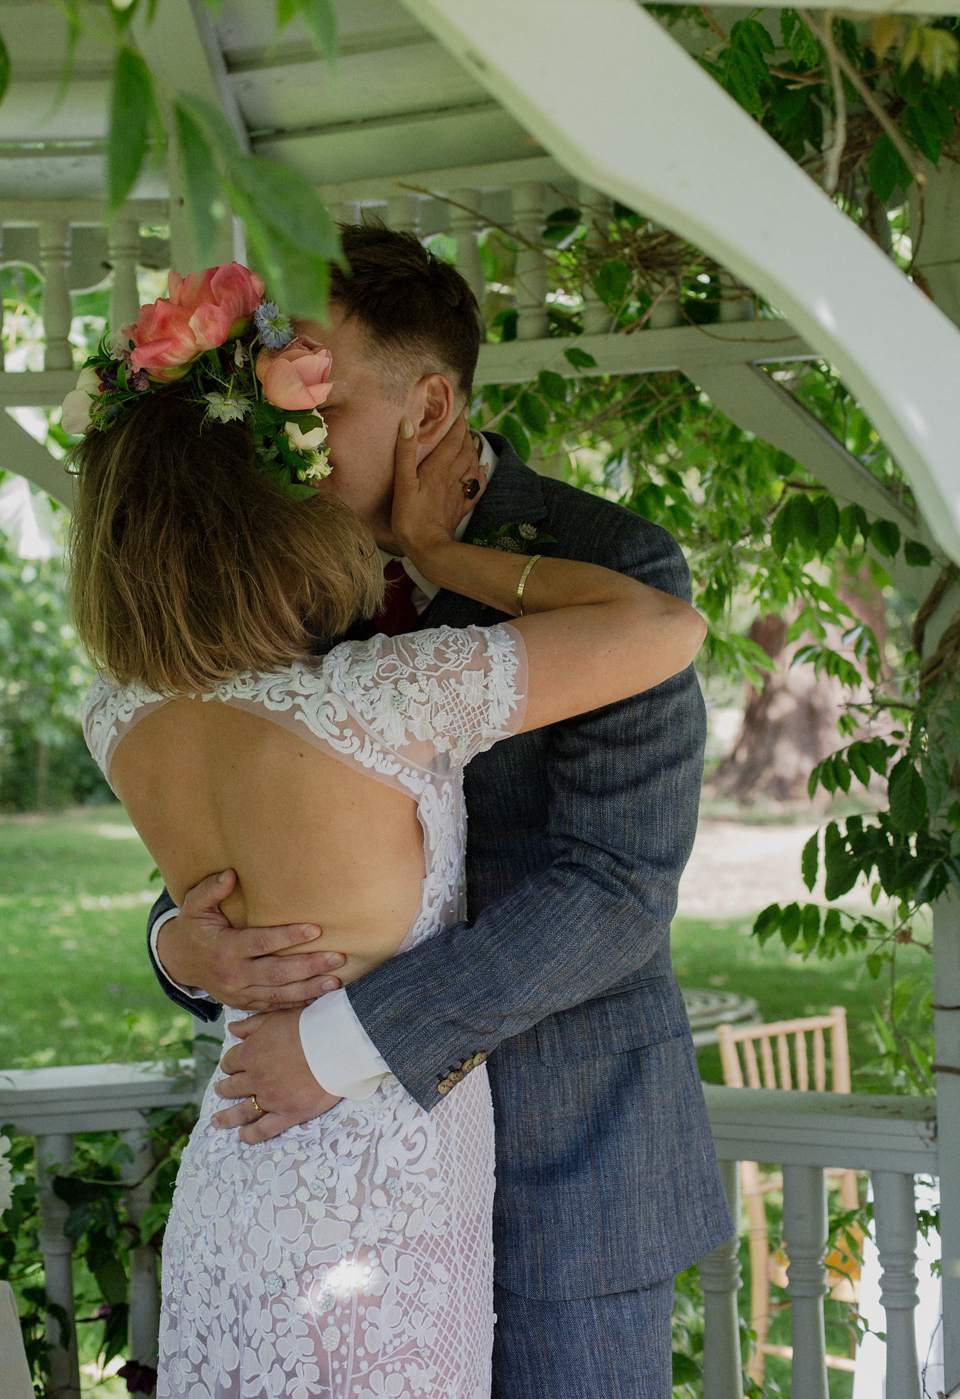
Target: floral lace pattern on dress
x=350 y=1258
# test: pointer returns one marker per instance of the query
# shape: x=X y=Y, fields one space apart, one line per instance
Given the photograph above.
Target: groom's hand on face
x=269 y=1066
x=239 y=966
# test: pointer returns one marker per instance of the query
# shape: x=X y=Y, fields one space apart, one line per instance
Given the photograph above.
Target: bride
x=351 y=1256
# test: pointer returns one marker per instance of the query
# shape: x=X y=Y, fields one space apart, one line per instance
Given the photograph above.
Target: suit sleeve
x=201 y=1006
x=624 y=786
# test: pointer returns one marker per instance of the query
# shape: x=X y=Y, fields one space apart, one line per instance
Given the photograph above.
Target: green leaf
x=907 y=796
x=533 y=412
x=887 y=170
x=916 y=554
x=805 y=520
x=790 y=924
x=923 y=122
x=580 y=359
x=828 y=522
x=853 y=521
x=611 y=282
x=203 y=196
x=131 y=105
x=290 y=204
x=4 y=68
x=515 y=435
x=859 y=764
x=552 y=386
x=874 y=965
x=685 y=1369
x=320 y=21
x=885 y=537
x=767 y=922
x=811 y=926
x=804 y=48
x=810 y=860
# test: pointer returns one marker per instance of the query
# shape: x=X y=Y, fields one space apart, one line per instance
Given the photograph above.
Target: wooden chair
x=775 y=1070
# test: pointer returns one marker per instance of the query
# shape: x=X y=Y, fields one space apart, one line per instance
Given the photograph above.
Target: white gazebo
x=441 y=113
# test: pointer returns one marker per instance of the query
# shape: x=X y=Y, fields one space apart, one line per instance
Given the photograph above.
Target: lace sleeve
x=436 y=696
x=109 y=711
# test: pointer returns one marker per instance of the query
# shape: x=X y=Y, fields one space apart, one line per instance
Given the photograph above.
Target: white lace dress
x=351 y=1257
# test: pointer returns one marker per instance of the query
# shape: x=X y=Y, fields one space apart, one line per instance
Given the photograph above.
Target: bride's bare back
x=312 y=840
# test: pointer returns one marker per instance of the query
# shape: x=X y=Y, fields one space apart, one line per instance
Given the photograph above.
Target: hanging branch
x=831 y=174
x=869 y=99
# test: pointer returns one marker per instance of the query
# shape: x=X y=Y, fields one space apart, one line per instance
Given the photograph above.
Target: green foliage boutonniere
x=514 y=537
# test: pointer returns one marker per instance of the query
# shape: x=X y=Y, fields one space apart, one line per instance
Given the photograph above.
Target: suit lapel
x=514 y=494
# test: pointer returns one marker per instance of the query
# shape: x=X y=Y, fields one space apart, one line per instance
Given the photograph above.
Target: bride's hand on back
x=431 y=497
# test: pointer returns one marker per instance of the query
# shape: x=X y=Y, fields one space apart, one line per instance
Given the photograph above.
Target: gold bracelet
x=523 y=580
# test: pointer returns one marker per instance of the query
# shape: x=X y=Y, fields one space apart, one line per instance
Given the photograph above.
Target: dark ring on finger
x=471 y=488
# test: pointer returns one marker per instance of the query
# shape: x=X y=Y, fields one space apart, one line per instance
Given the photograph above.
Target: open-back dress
x=350 y=1257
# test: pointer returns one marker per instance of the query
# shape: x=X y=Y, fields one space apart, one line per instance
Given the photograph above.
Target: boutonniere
x=514 y=537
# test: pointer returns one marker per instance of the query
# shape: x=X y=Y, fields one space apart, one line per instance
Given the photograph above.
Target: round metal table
x=707 y=1009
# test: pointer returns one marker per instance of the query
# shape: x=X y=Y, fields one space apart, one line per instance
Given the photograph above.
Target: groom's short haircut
x=418 y=313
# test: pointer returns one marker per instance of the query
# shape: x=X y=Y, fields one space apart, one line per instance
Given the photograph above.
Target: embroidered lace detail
x=350 y=1258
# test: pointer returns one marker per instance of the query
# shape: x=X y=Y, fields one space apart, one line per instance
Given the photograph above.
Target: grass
x=75 y=983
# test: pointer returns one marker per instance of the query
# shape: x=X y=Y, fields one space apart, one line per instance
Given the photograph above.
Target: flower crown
x=231 y=350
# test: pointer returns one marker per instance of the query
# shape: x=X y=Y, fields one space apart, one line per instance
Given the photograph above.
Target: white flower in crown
x=310 y=441
x=75 y=415
x=224 y=408
x=527 y=531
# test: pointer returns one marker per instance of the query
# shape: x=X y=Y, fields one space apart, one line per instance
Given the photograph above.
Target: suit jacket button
x=443 y=1086
x=455 y=1076
x=480 y=1057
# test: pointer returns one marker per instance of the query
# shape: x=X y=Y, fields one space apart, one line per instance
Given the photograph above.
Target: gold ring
x=260 y=1110
x=471 y=488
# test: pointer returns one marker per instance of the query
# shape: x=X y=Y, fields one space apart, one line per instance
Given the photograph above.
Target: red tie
x=398 y=613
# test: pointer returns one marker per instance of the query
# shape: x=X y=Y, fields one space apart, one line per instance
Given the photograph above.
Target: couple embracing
x=457 y=1145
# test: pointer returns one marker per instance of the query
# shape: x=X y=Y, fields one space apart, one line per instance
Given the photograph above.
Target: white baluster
x=805 y=1241
x=465 y=225
x=720 y=1281
x=54 y=1155
x=403 y=213
x=531 y=271
x=144 y=1327
x=123 y=247
x=596 y=211
x=946 y=1022
x=896 y=1221
x=736 y=301
x=57 y=310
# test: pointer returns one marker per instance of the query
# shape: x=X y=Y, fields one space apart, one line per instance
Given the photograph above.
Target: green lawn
x=76 y=987
x=75 y=983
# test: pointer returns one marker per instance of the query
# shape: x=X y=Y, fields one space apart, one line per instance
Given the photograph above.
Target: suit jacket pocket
x=612 y=1024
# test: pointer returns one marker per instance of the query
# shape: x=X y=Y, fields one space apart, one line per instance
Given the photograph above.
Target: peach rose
x=231 y=286
x=297 y=377
x=167 y=337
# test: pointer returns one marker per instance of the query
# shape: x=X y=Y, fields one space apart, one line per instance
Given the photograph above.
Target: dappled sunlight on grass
x=75 y=982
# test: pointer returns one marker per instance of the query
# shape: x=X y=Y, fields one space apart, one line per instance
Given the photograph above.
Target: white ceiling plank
x=25 y=456
x=866 y=7
x=645 y=352
x=498 y=174
x=592 y=80
x=181 y=46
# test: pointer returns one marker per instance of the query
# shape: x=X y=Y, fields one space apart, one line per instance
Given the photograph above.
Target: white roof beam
x=594 y=82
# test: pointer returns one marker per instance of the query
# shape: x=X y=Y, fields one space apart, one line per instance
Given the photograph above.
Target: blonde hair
x=190 y=567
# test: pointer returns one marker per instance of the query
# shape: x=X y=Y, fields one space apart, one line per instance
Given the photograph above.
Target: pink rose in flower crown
x=233 y=287
x=201 y=313
x=297 y=377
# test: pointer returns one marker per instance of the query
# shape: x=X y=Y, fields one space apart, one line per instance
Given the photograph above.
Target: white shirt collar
x=425 y=591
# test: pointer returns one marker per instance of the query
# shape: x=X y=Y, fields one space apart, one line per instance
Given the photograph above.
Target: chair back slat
x=769 y=1076
x=819 y=1061
x=840 y=1051
x=753 y=1070
x=803 y=1072
x=729 y=1058
x=783 y=1062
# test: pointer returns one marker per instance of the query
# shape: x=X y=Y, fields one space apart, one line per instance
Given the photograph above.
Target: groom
x=607 y=1183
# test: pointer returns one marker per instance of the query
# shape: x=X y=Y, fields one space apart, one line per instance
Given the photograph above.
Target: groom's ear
x=435 y=410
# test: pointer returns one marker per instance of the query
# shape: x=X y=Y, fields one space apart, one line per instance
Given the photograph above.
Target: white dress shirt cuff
x=342 y=1057
x=193 y=992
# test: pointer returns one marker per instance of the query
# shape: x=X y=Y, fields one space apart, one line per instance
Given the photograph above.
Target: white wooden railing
x=892 y=1138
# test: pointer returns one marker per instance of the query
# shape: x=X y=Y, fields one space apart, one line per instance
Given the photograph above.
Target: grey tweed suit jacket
x=578 y=833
